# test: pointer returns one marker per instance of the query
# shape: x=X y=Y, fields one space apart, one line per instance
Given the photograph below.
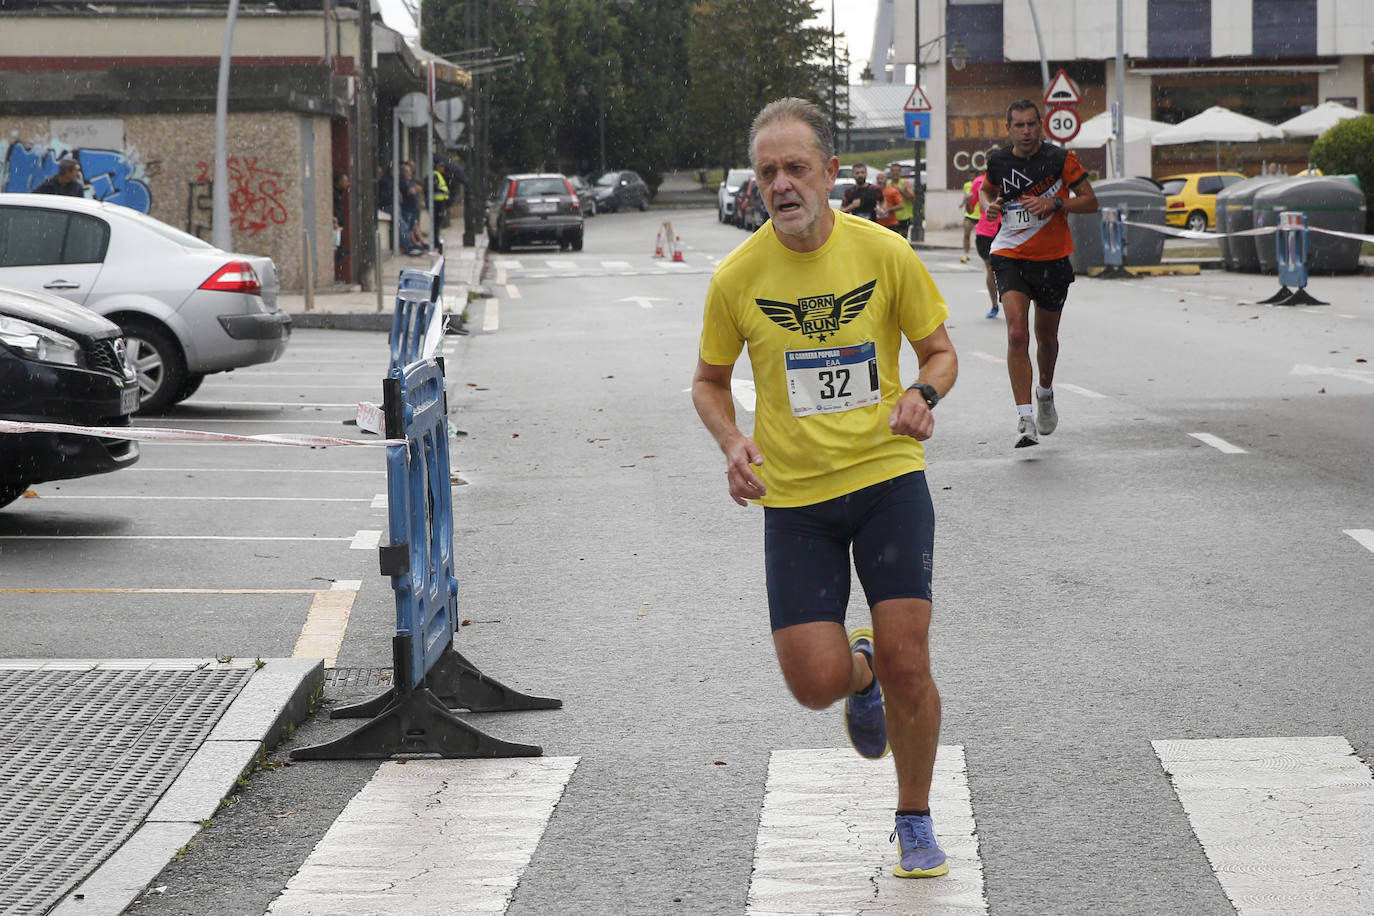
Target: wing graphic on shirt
x=819 y=316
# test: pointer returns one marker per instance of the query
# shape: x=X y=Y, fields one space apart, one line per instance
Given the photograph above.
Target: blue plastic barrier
x=419 y=303
x=1292 y=242
x=430 y=677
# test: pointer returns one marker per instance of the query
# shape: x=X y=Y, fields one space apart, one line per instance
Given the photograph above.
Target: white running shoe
x=1046 y=417
x=1025 y=433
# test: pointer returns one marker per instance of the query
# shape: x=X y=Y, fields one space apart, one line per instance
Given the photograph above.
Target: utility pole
x=917 y=232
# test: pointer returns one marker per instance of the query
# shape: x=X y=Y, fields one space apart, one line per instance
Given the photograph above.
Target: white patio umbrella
x=1217 y=125
x=1097 y=130
x=1316 y=121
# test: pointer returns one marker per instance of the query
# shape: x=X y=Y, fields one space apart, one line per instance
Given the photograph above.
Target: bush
x=1348 y=149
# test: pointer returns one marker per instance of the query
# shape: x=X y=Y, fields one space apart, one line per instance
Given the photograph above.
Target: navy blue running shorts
x=1045 y=282
x=891 y=527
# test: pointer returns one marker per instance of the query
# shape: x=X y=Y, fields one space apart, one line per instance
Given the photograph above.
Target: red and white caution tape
x=155 y=434
x=1262 y=230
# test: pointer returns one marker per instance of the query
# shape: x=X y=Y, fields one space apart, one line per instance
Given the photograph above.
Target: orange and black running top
x=1048 y=172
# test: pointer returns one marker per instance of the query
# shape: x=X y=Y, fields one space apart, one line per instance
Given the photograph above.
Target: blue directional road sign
x=917 y=124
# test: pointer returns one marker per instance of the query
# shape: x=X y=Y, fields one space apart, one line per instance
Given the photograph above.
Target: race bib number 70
x=833 y=379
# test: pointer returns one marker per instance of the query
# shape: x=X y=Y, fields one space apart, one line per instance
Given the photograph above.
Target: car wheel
x=158 y=363
x=10 y=490
x=189 y=387
x=577 y=242
x=643 y=204
x=1197 y=221
x=591 y=208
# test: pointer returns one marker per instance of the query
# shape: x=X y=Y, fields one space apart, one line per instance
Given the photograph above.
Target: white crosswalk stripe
x=1287 y=823
x=431 y=837
x=823 y=839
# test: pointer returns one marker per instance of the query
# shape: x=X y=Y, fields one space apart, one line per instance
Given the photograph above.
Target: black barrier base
x=415 y=723
x=1301 y=297
x=1283 y=293
x=458 y=684
x=1115 y=272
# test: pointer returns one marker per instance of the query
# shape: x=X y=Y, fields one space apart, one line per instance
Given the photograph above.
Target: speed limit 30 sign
x=1062 y=124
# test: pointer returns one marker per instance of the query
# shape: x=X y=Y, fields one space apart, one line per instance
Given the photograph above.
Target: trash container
x=1330 y=202
x=1236 y=213
x=1144 y=203
x=1266 y=209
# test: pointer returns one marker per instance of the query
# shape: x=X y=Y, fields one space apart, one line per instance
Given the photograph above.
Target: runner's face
x=1024 y=128
x=860 y=174
x=795 y=183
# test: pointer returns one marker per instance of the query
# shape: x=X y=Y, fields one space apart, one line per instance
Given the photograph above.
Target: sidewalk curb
x=276 y=697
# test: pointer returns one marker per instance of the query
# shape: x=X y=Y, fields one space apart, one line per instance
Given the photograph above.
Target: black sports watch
x=928 y=392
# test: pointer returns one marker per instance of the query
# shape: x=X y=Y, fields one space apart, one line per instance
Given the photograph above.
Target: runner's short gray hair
x=795 y=109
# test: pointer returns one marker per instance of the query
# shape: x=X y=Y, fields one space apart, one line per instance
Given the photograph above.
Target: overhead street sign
x=1062 y=91
x=917 y=101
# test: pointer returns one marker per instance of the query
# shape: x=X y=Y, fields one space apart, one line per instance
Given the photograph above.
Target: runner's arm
x=715 y=405
x=939 y=368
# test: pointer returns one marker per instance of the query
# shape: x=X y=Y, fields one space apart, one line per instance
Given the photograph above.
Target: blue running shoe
x=922 y=857
x=864 y=716
x=992 y=312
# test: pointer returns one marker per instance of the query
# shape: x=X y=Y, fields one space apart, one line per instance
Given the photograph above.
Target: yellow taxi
x=1191 y=198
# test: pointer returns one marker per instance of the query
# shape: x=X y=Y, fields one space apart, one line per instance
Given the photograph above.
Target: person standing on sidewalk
x=908 y=207
x=823 y=300
x=1028 y=185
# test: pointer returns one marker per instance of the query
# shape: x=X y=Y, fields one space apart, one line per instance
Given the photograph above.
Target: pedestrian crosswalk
x=1286 y=825
x=542 y=268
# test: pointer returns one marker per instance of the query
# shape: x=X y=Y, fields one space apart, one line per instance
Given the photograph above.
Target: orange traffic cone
x=658 y=245
x=677 y=248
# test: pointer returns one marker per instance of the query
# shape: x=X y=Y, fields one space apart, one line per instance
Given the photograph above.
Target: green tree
x=744 y=54
x=1348 y=149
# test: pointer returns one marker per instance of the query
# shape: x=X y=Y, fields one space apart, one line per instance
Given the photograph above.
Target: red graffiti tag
x=254 y=195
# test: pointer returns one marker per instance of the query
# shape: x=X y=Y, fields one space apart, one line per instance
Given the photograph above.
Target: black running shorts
x=891 y=528
x=1045 y=282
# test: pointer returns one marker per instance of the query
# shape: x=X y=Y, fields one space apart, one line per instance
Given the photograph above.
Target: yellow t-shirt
x=825 y=331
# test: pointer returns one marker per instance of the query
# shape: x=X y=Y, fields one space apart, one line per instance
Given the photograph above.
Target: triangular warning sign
x=1062 y=91
x=917 y=101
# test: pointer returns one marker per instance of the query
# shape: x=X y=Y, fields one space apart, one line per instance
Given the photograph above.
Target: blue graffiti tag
x=111 y=175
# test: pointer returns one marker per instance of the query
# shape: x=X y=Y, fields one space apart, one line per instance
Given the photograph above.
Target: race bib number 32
x=833 y=379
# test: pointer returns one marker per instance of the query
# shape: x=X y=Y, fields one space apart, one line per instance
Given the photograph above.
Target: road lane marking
x=512 y=291
x=1287 y=824
x=268 y=499
x=1354 y=375
x=491 y=314
x=1363 y=536
x=365 y=540
x=617 y=265
x=1086 y=392
x=326 y=622
x=158 y=591
x=823 y=839
x=987 y=357
x=199 y=403
x=1219 y=444
x=143 y=469
x=431 y=836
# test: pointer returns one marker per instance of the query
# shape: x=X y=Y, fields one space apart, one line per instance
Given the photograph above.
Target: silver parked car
x=187 y=308
x=725 y=193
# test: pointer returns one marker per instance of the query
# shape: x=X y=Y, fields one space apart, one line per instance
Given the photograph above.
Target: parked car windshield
x=532 y=187
x=608 y=179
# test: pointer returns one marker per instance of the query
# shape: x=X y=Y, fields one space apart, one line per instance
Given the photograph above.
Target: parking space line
x=327 y=621
x=1363 y=536
x=163 y=537
x=364 y=540
x=350 y=406
x=143 y=469
x=1219 y=444
x=1076 y=389
x=491 y=314
x=987 y=357
x=158 y=591
x=512 y=291
x=266 y=499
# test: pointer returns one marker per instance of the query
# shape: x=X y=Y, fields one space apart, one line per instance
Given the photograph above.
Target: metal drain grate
x=84 y=756
x=357 y=677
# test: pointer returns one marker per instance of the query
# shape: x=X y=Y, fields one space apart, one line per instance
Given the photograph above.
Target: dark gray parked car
x=535 y=208
x=621 y=190
x=60 y=363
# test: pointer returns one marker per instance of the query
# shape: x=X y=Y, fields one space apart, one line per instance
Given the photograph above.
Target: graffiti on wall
x=255 y=195
x=112 y=175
